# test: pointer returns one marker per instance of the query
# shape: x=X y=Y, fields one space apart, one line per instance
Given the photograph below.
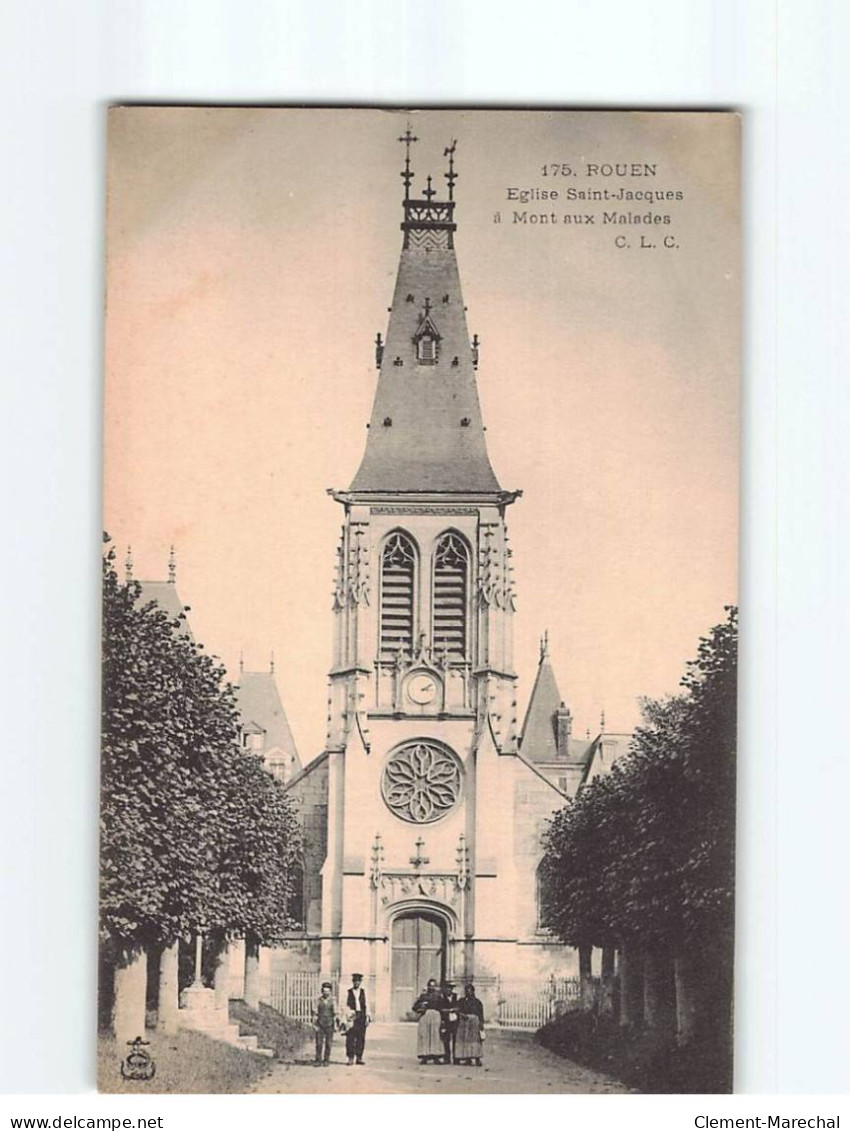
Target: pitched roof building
x=264 y=725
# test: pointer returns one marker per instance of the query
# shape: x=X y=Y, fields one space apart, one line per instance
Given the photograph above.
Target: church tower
x=422 y=726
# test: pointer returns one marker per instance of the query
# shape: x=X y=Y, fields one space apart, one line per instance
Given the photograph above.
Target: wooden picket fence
x=294 y=993
x=529 y=1004
x=520 y=1003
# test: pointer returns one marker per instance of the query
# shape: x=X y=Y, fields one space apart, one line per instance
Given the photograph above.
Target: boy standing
x=325 y=1019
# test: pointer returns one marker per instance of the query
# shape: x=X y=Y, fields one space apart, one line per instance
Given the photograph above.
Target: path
x=513 y=1063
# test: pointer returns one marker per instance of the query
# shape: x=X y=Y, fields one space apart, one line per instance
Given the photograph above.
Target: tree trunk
x=252 y=972
x=585 y=954
x=221 y=976
x=607 y=984
x=631 y=985
x=686 y=998
x=658 y=997
x=131 y=979
x=167 y=1008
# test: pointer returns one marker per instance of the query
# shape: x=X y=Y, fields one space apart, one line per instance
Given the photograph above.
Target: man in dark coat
x=358 y=1018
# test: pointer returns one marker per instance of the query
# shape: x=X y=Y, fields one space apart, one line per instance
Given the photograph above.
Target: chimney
x=563 y=731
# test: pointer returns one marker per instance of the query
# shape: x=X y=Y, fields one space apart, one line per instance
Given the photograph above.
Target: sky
x=251 y=256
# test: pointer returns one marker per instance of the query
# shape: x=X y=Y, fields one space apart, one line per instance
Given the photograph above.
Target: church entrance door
x=418 y=953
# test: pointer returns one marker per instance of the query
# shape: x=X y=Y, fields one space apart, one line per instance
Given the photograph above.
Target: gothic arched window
x=398 y=576
x=297 y=905
x=451 y=581
x=543 y=898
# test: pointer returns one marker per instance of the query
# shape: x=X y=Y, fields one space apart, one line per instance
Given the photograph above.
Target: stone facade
x=424 y=814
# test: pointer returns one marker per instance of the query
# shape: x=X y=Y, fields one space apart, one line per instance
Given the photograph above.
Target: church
x=424 y=815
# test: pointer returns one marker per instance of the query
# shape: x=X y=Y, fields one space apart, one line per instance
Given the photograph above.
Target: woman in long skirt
x=429 y=1043
x=470 y=1028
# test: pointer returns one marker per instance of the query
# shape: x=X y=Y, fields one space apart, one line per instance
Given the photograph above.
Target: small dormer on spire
x=427 y=337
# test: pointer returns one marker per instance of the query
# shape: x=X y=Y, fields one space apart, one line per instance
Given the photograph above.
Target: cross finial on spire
x=241 y=662
x=128 y=564
x=429 y=192
x=172 y=567
x=451 y=176
x=602 y=720
x=271 y=663
x=406 y=175
x=544 y=645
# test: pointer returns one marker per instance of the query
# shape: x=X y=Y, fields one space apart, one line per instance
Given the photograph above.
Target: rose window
x=421 y=782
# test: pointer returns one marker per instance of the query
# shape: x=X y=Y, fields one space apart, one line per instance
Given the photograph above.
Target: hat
x=360 y=976
x=328 y=984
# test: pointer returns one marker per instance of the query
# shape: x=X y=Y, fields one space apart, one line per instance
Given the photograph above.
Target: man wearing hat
x=449 y=1020
x=358 y=1018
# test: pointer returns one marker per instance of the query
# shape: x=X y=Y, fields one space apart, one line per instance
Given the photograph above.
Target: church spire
x=426 y=433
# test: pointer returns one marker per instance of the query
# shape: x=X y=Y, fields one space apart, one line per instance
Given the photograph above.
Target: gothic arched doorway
x=418 y=953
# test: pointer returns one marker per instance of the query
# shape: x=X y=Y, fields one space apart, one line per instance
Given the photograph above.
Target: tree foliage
x=193 y=830
x=646 y=852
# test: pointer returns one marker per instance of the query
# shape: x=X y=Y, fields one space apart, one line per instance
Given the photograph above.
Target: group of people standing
x=450 y=1029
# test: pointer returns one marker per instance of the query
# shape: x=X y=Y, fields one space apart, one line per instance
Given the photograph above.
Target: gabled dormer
x=426 y=340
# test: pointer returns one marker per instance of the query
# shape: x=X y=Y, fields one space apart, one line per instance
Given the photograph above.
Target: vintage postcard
x=394 y=800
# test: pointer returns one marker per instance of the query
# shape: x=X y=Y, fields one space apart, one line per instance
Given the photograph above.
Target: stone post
x=252 y=972
x=167 y=1007
x=607 y=982
x=131 y=979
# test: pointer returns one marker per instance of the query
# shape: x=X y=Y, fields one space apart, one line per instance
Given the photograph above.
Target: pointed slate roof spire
x=426 y=432
x=259 y=703
x=539 y=741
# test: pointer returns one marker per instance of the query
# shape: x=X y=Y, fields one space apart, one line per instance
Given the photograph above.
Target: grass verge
x=186 y=1062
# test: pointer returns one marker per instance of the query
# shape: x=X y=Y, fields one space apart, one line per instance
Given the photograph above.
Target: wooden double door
x=418 y=953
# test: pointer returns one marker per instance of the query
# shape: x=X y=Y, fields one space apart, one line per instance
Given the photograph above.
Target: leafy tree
x=193 y=830
x=647 y=852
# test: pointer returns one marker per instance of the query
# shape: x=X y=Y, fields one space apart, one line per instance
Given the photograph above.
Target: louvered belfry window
x=451 y=571
x=398 y=574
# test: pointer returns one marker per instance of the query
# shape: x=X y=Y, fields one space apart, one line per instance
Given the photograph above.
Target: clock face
x=422 y=688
